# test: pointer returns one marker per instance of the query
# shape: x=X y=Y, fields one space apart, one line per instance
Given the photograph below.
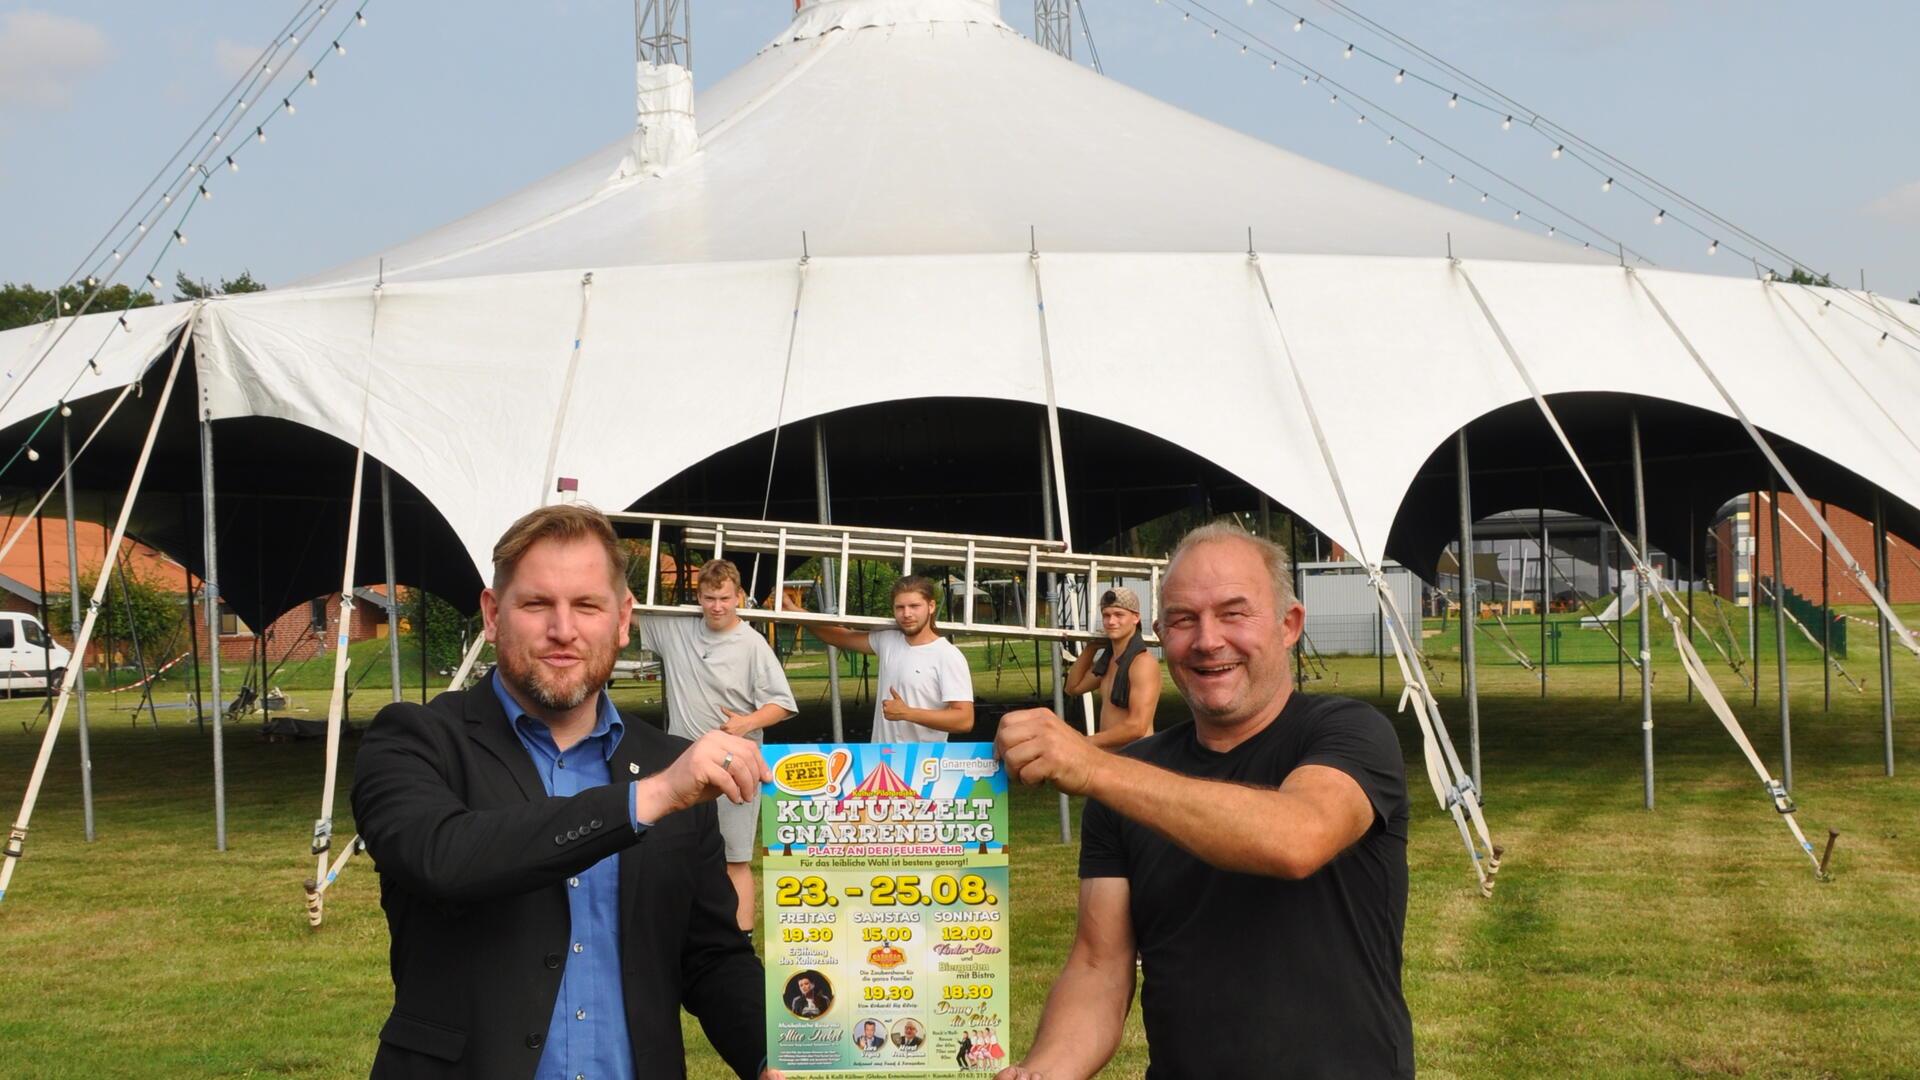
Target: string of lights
x=1276 y=58
x=198 y=175
x=1565 y=143
x=1368 y=111
x=238 y=91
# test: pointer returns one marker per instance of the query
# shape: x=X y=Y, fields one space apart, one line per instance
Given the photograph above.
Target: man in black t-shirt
x=1255 y=858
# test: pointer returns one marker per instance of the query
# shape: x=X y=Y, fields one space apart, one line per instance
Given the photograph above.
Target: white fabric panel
x=1183 y=347
x=817 y=17
x=1783 y=380
x=1396 y=359
x=463 y=393
x=664 y=135
x=123 y=355
x=914 y=131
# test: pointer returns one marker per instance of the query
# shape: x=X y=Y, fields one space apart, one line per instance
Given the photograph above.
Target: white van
x=29 y=659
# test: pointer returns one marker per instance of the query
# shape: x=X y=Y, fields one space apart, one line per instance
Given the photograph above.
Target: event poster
x=885 y=898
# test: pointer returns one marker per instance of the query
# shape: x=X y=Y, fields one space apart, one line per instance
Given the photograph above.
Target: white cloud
x=1900 y=206
x=234 y=58
x=44 y=56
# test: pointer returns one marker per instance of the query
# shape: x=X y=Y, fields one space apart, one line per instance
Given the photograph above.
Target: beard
x=557 y=690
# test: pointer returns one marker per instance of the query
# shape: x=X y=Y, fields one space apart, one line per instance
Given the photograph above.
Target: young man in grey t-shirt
x=925 y=690
x=721 y=674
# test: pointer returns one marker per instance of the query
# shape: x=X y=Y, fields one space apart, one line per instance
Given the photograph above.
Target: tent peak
x=814 y=18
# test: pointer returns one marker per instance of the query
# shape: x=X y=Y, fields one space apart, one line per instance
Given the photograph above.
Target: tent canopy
x=900 y=136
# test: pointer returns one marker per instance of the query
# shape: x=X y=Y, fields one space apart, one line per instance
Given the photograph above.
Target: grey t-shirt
x=927 y=676
x=706 y=672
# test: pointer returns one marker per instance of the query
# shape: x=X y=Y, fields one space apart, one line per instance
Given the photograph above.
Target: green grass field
x=1692 y=941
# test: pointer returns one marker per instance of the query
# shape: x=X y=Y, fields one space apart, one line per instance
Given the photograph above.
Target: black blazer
x=473 y=856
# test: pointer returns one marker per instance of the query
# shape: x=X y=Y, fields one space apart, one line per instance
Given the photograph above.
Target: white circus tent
x=873 y=206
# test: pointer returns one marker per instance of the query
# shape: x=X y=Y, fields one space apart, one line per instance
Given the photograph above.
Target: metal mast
x=1053 y=26
x=663 y=32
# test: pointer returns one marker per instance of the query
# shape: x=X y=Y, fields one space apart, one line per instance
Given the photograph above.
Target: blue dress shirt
x=587 y=1038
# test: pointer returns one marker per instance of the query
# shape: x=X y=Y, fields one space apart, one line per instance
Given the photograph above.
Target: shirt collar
x=536 y=733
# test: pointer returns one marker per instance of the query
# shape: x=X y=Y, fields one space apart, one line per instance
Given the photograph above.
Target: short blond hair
x=717 y=572
x=1279 y=566
x=563 y=523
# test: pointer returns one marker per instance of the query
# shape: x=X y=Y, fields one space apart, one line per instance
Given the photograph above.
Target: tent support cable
x=1453 y=785
x=1690 y=660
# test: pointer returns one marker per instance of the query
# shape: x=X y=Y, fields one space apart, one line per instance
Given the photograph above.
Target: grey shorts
x=738 y=826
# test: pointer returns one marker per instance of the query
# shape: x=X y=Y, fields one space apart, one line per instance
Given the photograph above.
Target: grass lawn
x=1692 y=941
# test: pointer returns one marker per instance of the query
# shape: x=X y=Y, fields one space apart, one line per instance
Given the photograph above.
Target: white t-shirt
x=927 y=676
x=706 y=672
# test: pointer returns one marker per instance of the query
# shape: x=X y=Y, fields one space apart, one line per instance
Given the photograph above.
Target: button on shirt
x=587 y=1037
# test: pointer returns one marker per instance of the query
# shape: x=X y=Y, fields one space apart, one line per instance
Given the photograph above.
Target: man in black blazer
x=552 y=874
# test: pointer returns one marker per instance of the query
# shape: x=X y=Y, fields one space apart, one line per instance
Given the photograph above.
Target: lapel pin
x=633 y=767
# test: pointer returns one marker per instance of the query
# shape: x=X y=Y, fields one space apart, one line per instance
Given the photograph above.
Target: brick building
x=1800 y=554
x=300 y=633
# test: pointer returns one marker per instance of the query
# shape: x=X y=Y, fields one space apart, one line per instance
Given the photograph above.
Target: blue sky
x=1792 y=120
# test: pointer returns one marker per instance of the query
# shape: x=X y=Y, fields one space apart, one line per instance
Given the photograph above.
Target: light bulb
x=1483 y=196
x=65 y=409
x=1713 y=248
x=1550 y=230
x=217 y=137
x=1389 y=140
x=92 y=281
x=339 y=49
x=1348 y=55
x=1361 y=119
x=287 y=103
x=293 y=39
x=117 y=256
x=1334 y=100
x=166 y=199
x=205 y=195
x=1607 y=184
x=179 y=237
x=32 y=454
x=232 y=165
x=1275 y=66
x=1660 y=218
x=260 y=134
x=1516 y=215
x=1303 y=80
x=1557 y=151
x=1453 y=102
x=1298 y=25
x=1400 y=76
x=143 y=228
x=1421 y=160
x=311 y=79
x=360 y=17
x=1450 y=178
x=1506 y=124
x=153 y=281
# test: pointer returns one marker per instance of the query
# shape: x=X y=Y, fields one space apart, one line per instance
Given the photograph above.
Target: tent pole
x=1753 y=592
x=1886 y=629
x=1294 y=565
x=80 y=661
x=1541 y=520
x=1696 y=556
x=393 y=590
x=210 y=582
x=1780 y=639
x=1048 y=531
x=823 y=504
x=193 y=650
x=1644 y=586
x=1826 y=625
x=1469 y=608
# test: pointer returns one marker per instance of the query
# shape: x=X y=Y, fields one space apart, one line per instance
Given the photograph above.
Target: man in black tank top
x=1126 y=673
x=1254 y=858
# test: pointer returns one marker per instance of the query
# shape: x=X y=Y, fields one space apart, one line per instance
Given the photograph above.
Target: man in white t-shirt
x=721 y=675
x=925 y=692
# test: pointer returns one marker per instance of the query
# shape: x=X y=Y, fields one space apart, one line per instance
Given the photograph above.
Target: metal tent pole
x=1696 y=556
x=393 y=589
x=193 y=649
x=1644 y=586
x=1780 y=639
x=73 y=599
x=1541 y=521
x=1059 y=684
x=1826 y=625
x=1293 y=564
x=211 y=582
x=823 y=501
x=1752 y=554
x=1886 y=629
x=1469 y=608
